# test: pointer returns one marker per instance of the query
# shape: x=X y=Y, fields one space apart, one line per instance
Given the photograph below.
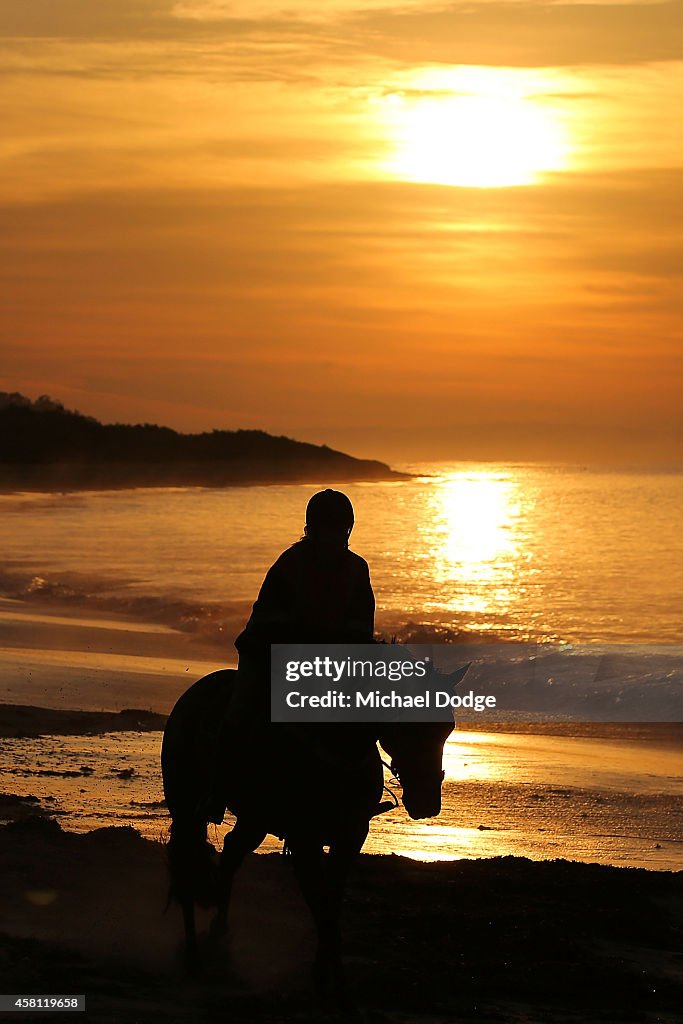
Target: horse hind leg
x=243 y=839
x=193 y=879
x=192 y=863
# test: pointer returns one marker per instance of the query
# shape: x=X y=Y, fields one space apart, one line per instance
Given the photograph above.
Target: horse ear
x=455 y=678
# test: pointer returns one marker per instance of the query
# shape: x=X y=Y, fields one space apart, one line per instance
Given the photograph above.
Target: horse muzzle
x=422 y=806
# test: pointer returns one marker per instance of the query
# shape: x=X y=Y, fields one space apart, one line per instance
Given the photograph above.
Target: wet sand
x=502 y=940
x=56 y=656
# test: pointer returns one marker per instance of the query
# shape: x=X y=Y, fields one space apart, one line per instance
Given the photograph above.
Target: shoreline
x=61 y=659
x=128 y=477
x=31 y=721
x=58 y=655
x=612 y=800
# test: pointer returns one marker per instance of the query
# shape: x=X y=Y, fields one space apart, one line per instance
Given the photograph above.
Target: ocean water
x=520 y=552
x=581 y=556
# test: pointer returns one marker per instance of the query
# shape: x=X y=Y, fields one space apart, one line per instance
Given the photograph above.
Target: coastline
x=25 y=721
x=114 y=476
x=31 y=721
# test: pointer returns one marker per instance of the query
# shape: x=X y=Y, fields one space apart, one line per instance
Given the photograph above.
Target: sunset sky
x=417 y=230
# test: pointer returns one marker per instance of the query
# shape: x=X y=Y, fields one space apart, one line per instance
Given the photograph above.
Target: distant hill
x=44 y=445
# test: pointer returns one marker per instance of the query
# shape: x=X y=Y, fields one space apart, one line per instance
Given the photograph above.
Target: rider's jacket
x=311 y=595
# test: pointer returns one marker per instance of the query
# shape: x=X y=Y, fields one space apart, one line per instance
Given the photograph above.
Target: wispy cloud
x=525 y=34
x=513 y=33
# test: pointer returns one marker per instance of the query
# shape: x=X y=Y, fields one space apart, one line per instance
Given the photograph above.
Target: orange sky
x=225 y=214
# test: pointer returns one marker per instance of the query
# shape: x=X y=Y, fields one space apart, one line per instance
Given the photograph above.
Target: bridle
x=392 y=786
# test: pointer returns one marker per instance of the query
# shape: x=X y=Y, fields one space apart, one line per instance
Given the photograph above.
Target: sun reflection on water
x=475 y=540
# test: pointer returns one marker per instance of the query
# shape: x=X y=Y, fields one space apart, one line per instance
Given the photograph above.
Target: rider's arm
x=362 y=622
x=270 y=614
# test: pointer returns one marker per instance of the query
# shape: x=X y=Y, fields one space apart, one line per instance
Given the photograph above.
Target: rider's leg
x=235 y=742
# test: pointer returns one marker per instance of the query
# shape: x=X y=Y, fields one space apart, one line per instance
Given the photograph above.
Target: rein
x=390 y=788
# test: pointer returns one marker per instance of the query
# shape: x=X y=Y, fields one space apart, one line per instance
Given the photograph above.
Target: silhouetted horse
x=314 y=786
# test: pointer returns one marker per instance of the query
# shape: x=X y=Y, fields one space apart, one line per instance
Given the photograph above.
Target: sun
x=484 y=134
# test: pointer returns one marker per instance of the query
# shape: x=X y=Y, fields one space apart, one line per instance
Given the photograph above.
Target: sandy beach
x=62 y=655
x=502 y=940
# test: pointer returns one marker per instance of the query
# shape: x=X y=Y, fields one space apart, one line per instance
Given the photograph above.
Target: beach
x=430 y=938
x=548 y=891
x=503 y=940
x=61 y=655
x=84 y=699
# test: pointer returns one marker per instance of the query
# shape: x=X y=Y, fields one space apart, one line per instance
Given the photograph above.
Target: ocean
x=571 y=555
x=539 y=552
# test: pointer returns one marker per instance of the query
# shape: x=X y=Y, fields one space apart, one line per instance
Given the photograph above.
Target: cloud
x=523 y=34
x=517 y=33
x=81 y=19
x=129 y=20
x=379 y=269
x=209 y=223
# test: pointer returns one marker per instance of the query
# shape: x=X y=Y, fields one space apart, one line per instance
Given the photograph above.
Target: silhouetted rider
x=318 y=591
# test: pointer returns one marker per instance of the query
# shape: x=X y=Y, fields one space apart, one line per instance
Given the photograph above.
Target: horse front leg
x=322 y=879
x=244 y=837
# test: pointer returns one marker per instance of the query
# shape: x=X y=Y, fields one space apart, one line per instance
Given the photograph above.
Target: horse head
x=416 y=752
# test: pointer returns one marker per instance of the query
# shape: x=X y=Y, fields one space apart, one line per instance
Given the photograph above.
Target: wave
x=212 y=621
x=633 y=666
x=81 y=591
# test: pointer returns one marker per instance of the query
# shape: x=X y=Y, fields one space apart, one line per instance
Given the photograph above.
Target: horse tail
x=192 y=864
